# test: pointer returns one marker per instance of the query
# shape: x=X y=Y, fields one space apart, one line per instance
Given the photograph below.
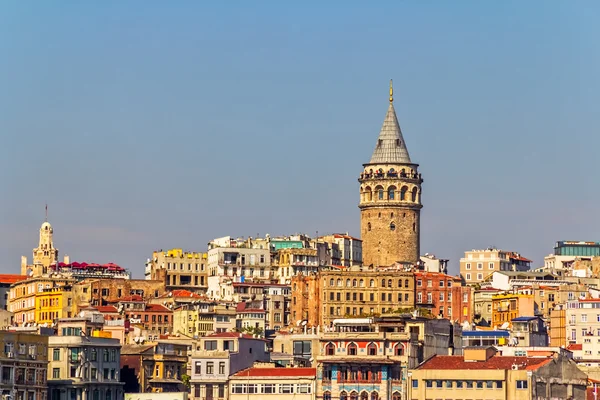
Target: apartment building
x=582 y=319
x=53 y=303
x=265 y=380
x=152 y=317
x=565 y=252
x=156 y=367
x=292 y=261
x=482 y=305
x=5 y=281
x=23 y=366
x=508 y=306
x=203 y=319
x=482 y=373
x=350 y=248
x=22 y=296
x=443 y=295
x=83 y=367
x=179 y=269
x=359 y=292
x=217 y=356
x=305 y=293
x=477 y=265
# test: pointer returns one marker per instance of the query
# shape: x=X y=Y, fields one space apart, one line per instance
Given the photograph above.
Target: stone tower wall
x=390 y=220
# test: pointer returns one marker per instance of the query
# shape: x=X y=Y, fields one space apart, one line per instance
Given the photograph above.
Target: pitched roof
x=157 y=308
x=277 y=372
x=495 y=362
x=106 y=309
x=390 y=148
x=181 y=293
x=12 y=278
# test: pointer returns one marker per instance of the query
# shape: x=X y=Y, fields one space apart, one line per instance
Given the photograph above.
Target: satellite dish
x=505 y=325
x=298 y=322
x=304 y=323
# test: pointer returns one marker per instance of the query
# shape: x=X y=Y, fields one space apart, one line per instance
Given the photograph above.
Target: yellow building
x=22 y=296
x=53 y=303
x=506 y=307
x=23 y=366
x=179 y=269
x=482 y=374
x=265 y=379
x=203 y=319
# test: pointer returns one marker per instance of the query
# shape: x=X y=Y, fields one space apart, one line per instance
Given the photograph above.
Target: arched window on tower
x=369 y=227
x=414 y=194
x=380 y=193
x=368 y=194
x=392 y=226
x=403 y=193
x=391 y=192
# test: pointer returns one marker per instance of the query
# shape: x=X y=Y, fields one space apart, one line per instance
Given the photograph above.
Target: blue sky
x=149 y=125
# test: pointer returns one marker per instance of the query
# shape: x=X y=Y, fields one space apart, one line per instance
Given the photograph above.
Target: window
x=56 y=373
x=491 y=265
x=222 y=368
x=449 y=384
x=392 y=227
x=286 y=388
x=429 y=298
x=428 y=383
x=459 y=384
x=441 y=283
x=330 y=349
x=499 y=384
x=429 y=283
x=303 y=388
x=415 y=383
x=468 y=277
x=56 y=354
x=267 y=388
x=210 y=367
x=210 y=345
x=198 y=368
x=441 y=296
x=419 y=283
x=352 y=349
x=479 y=384
x=521 y=384
x=372 y=349
x=479 y=277
x=468 y=266
x=479 y=266
x=583 y=317
x=419 y=297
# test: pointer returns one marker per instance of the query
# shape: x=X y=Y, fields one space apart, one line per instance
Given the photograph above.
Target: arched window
x=391 y=192
x=389 y=283
x=372 y=283
x=380 y=192
x=379 y=215
x=331 y=283
x=327 y=396
x=392 y=215
x=399 y=350
x=330 y=349
x=361 y=283
x=364 y=396
x=343 y=396
x=403 y=193
x=369 y=227
x=368 y=194
x=406 y=283
x=414 y=195
x=400 y=283
x=347 y=282
x=353 y=396
x=374 y=396
x=372 y=349
x=383 y=283
x=395 y=396
x=352 y=349
x=339 y=282
x=392 y=226
x=354 y=283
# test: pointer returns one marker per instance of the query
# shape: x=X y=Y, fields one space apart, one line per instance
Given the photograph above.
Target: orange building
x=506 y=307
x=444 y=295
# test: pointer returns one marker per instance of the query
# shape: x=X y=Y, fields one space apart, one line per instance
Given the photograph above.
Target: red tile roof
x=241 y=307
x=182 y=293
x=575 y=346
x=495 y=362
x=157 y=308
x=277 y=372
x=12 y=278
x=107 y=309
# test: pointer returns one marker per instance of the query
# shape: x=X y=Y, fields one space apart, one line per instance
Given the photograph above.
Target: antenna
x=46 y=212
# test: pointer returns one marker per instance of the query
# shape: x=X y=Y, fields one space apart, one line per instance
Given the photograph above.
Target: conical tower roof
x=390 y=148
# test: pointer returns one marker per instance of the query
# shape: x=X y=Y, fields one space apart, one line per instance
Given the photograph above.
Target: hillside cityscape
x=308 y=317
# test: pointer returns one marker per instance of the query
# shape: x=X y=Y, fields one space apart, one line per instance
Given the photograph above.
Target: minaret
x=390 y=199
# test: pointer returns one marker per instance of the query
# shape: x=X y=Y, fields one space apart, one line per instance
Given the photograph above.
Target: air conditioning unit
x=10 y=354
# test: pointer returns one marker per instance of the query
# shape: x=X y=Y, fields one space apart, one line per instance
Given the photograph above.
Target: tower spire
x=391 y=91
x=46 y=212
